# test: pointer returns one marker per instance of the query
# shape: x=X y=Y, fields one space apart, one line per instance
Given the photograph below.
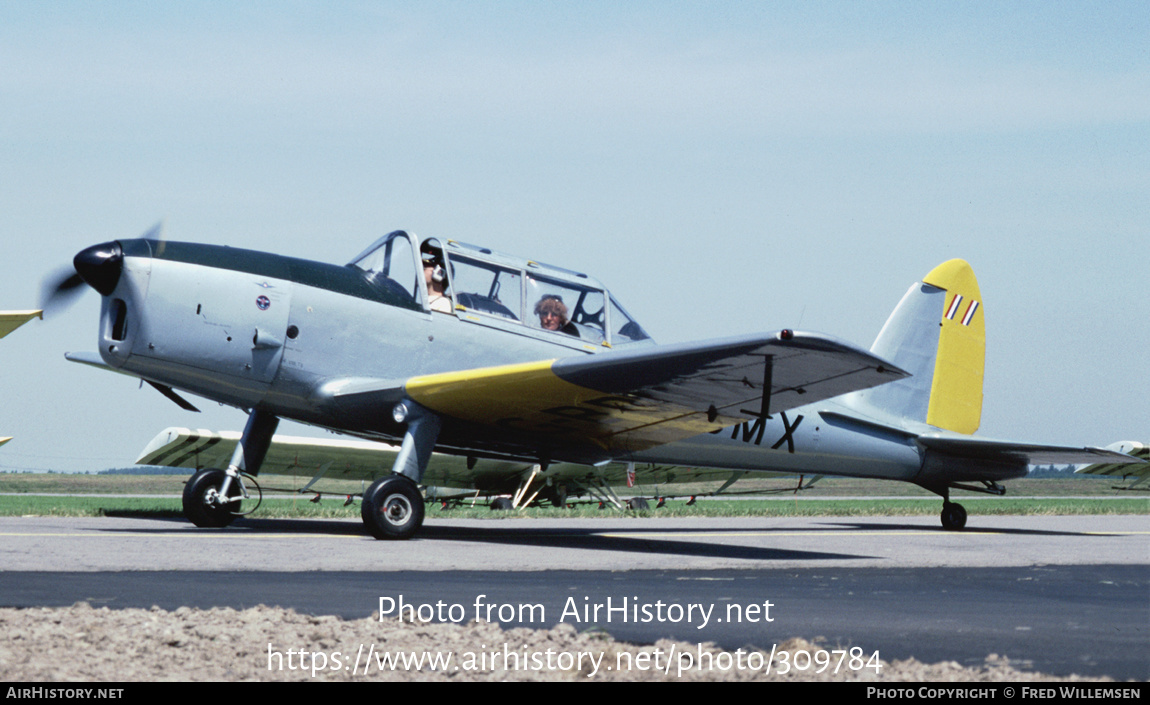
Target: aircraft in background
x=455 y=349
x=10 y=321
x=505 y=484
x=1139 y=473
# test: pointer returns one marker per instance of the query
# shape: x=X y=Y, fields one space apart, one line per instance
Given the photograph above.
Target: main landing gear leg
x=953 y=514
x=212 y=496
x=392 y=506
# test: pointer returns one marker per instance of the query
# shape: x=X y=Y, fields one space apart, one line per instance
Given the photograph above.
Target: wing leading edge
x=628 y=401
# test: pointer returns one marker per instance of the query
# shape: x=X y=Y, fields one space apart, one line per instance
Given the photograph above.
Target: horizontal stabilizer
x=986 y=449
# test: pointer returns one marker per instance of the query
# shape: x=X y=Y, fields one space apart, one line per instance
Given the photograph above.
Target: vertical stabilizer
x=936 y=333
x=956 y=392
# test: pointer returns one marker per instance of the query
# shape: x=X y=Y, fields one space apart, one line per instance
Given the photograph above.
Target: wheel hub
x=396 y=509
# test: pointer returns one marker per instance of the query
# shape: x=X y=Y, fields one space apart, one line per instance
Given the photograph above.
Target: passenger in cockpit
x=552 y=314
x=436 y=277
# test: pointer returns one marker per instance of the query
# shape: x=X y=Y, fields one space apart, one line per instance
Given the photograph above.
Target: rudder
x=956 y=392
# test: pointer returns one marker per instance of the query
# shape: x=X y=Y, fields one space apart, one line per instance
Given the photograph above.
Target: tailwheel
x=953 y=516
x=392 y=508
x=204 y=506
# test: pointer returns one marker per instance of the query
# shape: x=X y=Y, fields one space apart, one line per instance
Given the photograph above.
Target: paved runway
x=1058 y=594
x=580 y=544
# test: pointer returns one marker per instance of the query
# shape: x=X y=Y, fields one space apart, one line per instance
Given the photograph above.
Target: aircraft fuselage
x=285 y=335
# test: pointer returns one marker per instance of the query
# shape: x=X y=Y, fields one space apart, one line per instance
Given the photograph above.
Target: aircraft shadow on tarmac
x=526 y=534
x=616 y=540
x=864 y=526
x=643 y=541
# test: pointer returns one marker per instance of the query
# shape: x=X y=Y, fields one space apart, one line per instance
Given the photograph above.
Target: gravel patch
x=82 y=643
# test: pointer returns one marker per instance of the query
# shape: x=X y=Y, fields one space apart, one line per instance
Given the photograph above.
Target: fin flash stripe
x=952 y=310
x=969 y=313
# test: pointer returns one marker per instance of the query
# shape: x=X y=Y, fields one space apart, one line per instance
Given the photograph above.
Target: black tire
x=953 y=516
x=392 y=508
x=638 y=504
x=501 y=504
x=201 y=506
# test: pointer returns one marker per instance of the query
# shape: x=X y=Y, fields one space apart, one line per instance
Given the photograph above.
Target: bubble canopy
x=500 y=287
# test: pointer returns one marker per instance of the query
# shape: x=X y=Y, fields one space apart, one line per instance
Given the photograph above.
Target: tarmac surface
x=1058 y=594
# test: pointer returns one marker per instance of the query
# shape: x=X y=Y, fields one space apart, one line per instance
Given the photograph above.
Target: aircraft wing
x=1033 y=454
x=1140 y=473
x=619 y=402
x=344 y=459
x=11 y=320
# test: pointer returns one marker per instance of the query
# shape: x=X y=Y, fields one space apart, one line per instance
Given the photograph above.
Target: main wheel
x=392 y=508
x=953 y=516
x=203 y=504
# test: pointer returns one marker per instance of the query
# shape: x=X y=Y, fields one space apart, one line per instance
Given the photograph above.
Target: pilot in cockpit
x=552 y=314
x=436 y=277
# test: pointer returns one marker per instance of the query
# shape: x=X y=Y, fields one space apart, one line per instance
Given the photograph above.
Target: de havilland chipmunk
x=504 y=375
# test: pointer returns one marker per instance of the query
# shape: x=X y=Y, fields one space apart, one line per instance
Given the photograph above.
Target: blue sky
x=723 y=167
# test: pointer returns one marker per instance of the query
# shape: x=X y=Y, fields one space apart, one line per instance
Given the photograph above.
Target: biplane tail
x=1139 y=474
x=936 y=333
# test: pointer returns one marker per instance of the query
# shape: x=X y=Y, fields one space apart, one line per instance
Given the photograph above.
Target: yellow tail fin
x=937 y=334
x=956 y=391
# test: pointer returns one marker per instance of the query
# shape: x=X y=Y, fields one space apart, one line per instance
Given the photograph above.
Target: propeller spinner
x=98 y=266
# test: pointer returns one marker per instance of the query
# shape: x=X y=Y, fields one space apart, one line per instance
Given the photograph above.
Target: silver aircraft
x=507 y=375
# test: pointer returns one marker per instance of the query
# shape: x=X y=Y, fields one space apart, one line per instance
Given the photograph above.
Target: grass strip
x=302 y=508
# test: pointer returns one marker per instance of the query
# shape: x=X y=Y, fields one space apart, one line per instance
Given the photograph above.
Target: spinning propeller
x=98 y=266
x=59 y=289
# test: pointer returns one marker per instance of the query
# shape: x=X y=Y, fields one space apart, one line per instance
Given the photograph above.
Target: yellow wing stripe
x=956 y=391
x=530 y=397
x=480 y=393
